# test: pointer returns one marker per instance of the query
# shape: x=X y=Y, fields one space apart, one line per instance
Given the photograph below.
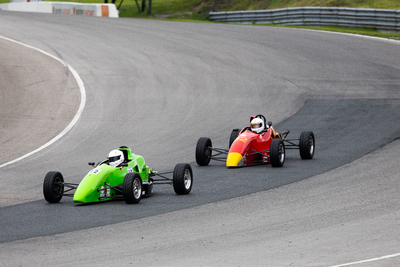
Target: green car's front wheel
x=53 y=187
x=183 y=178
x=132 y=188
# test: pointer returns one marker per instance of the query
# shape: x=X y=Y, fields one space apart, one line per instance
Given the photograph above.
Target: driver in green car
x=115 y=158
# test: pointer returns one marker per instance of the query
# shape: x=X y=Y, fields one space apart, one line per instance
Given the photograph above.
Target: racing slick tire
x=234 y=135
x=132 y=188
x=307 y=145
x=203 y=151
x=277 y=153
x=53 y=187
x=182 y=178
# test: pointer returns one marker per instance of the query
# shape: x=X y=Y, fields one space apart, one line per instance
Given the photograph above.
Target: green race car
x=123 y=175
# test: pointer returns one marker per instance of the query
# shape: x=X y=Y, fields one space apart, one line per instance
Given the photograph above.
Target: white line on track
x=369 y=260
x=77 y=115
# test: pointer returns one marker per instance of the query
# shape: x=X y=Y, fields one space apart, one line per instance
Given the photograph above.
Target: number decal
x=95 y=171
x=243 y=139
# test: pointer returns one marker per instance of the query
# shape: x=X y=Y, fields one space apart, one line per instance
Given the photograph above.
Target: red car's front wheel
x=203 y=151
x=277 y=153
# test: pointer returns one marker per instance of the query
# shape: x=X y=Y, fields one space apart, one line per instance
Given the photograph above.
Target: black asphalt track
x=344 y=130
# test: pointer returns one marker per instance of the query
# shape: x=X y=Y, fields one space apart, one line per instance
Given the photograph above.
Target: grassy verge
x=198 y=10
x=362 y=31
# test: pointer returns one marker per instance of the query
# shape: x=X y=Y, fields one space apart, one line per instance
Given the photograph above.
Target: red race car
x=257 y=144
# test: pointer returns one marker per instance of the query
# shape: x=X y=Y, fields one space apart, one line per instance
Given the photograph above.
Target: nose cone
x=233 y=159
x=85 y=195
x=87 y=189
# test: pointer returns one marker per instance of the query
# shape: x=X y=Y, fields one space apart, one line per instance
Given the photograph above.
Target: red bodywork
x=248 y=143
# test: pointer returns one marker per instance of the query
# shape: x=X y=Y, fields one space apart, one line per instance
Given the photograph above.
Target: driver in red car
x=257 y=126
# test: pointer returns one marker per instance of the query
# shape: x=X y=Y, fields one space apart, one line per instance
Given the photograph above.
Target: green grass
x=272 y=4
x=198 y=10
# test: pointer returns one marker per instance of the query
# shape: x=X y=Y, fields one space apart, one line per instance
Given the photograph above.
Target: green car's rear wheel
x=132 y=188
x=53 y=187
x=183 y=178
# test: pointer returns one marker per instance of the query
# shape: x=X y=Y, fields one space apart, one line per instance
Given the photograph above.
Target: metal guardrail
x=380 y=19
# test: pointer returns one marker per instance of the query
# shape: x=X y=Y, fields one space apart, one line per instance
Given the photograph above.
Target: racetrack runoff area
x=39 y=98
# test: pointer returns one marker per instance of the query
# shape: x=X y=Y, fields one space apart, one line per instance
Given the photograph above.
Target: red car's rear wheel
x=307 y=145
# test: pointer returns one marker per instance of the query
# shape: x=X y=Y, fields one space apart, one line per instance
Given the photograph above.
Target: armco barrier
x=380 y=19
x=100 y=10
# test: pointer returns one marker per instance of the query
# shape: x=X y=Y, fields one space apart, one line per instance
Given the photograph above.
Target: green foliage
x=199 y=9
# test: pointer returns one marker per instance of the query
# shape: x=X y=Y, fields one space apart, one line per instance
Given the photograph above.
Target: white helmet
x=115 y=158
x=257 y=125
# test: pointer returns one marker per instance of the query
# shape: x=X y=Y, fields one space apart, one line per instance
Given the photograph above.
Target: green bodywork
x=104 y=182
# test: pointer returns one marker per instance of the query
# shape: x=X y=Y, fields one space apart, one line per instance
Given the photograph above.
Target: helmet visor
x=113 y=159
x=255 y=125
